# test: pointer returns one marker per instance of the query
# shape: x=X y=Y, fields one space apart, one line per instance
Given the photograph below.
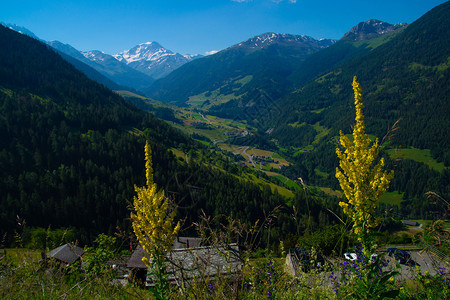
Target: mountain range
x=135 y=68
x=70 y=146
x=370 y=29
x=123 y=76
x=72 y=152
x=300 y=109
x=153 y=59
x=404 y=76
x=267 y=67
x=139 y=66
x=257 y=65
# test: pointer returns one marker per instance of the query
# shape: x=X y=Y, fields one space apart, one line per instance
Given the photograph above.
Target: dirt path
x=250 y=159
x=204 y=118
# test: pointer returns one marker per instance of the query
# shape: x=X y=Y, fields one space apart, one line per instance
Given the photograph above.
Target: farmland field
x=418 y=155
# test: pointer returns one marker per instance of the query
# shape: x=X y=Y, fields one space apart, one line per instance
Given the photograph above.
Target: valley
x=226 y=135
x=222 y=134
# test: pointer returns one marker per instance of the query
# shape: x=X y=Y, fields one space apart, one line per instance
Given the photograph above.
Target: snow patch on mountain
x=20 y=29
x=266 y=39
x=153 y=59
x=370 y=29
x=96 y=55
x=149 y=51
x=192 y=56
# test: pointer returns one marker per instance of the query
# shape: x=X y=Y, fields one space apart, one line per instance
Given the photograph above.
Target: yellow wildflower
x=153 y=217
x=361 y=178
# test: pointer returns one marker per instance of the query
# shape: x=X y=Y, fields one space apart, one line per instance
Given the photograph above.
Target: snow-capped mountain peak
x=153 y=59
x=20 y=29
x=269 y=38
x=149 y=51
x=370 y=29
x=96 y=55
x=192 y=56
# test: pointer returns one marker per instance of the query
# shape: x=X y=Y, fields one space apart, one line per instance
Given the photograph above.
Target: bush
x=44 y=239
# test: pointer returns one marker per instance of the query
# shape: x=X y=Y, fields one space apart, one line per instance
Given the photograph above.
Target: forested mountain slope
x=71 y=152
x=344 y=50
x=406 y=79
x=257 y=64
x=91 y=73
x=106 y=65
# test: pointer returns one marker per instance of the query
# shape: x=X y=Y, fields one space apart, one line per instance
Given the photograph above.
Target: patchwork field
x=419 y=155
x=392 y=198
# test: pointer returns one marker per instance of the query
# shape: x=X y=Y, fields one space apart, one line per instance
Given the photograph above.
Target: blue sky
x=197 y=26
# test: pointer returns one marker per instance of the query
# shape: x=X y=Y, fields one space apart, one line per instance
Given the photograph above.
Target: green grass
x=318 y=111
x=426 y=222
x=378 y=41
x=292 y=185
x=212 y=134
x=6 y=91
x=178 y=153
x=418 y=155
x=128 y=94
x=392 y=198
x=297 y=124
x=320 y=173
x=233 y=123
x=243 y=81
x=196 y=116
x=17 y=255
x=321 y=133
x=26 y=278
x=215 y=97
x=299 y=151
x=331 y=192
x=203 y=142
x=276 y=155
x=281 y=190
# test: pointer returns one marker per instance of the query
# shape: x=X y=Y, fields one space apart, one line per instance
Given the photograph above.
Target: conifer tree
x=360 y=176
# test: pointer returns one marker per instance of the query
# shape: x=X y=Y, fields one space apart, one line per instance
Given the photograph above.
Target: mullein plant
x=360 y=176
x=363 y=180
x=152 y=221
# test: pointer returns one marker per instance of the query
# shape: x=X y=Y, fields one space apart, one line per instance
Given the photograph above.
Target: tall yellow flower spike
x=360 y=177
x=152 y=218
